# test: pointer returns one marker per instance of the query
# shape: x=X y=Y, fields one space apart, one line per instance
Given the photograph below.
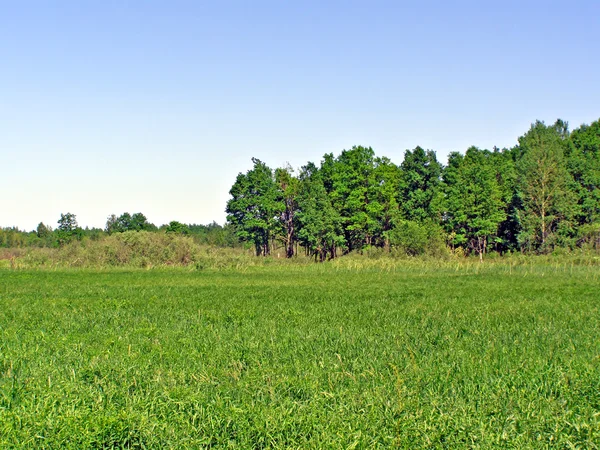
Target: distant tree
x=177 y=228
x=124 y=222
x=67 y=222
x=506 y=174
x=68 y=229
x=128 y=222
x=42 y=231
x=111 y=224
x=139 y=222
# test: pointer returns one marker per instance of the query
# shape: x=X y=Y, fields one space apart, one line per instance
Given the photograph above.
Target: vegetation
x=407 y=341
x=314 y=356
x=540 y=195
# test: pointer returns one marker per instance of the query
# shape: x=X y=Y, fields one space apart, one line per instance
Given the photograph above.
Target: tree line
x=68 y=230
x=540 y=195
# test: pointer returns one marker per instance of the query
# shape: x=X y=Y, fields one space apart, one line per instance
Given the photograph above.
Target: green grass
x=316 y=356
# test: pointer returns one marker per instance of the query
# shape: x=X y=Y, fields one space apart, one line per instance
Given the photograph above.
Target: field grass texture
x=314 y=356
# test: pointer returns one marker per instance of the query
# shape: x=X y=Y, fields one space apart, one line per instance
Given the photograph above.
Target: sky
x=155 y=107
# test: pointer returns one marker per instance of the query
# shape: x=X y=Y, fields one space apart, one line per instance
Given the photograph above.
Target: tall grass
x=154 y=250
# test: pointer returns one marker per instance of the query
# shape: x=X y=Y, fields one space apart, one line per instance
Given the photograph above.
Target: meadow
x=307 y=356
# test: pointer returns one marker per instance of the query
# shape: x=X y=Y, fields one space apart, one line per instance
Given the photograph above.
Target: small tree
x=67 y=228
x=43 y=231
x=177 y=227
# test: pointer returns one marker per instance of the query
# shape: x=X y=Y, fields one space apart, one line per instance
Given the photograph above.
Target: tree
x=474 y=203
x=420 y=185
x=139 y=222
x=583 y=163
x=543 y=184
x=177 y=228
x=350 y=175
x=506 y=174
x=319 y=224
x=111 y=224
x=383 y=205
x=255 y=207
x=124 y=222
x=67 y=228
x=42 y=231
x=288 y=192
x=128 y=222
x=67 y=223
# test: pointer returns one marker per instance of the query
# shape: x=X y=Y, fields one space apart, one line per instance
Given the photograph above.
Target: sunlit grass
x=349 y=354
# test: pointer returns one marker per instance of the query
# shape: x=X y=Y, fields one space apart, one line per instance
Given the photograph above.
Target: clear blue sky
x=156 y=106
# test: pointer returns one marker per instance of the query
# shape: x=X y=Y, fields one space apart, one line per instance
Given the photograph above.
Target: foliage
x=417 y=238
x=177 y=228
x=537 y=196
x=419 y=190
x=543 y=184
x=318 y=222
x=255 y=207
x=541 y=196
x=68 y=229
x=128 y=222
x=474 y=202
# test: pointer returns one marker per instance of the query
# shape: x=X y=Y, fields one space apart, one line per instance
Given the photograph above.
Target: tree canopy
x=540 y=194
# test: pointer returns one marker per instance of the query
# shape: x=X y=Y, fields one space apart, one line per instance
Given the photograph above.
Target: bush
x=414 y=238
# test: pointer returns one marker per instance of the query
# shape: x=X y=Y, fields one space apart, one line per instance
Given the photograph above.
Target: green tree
x=319 y=224
x=583 y=163
x=124 y=223
x=128 y=222
x=420 y=194
x=350 y=177
x=543 y=184
x=255 y=207
x=474 y=203
x=506 y=174
x=111 y=224
x=177 y=228
x=139 y=222
x=68 y=229
x=288 y=187
x=383 y=205
x=42 y=231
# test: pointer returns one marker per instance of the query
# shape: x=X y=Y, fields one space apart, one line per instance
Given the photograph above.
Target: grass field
x=301 y=357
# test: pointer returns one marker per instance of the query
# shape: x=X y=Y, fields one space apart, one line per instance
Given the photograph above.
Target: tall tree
x=506 y=174
x=583 y=162
x=420 y=193
x=287 y=185
x=254 y=208
x=543 y=184
x=474 y=203
x=351 y=175
x=384 y=192
x=111 y=224
x=319 y=224
x=68 y=229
